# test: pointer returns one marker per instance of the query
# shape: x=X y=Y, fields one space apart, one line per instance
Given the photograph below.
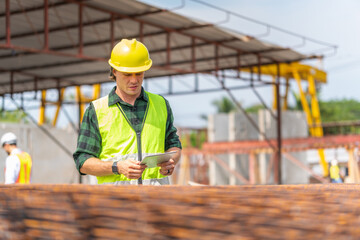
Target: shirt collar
x=15 y=151
x=114 y=98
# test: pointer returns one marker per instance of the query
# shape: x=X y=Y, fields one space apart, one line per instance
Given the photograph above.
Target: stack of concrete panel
x=236 y=127
x=218 y=126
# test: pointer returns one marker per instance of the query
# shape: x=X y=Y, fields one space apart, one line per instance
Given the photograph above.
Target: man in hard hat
x=18 y=164
x=118 y=130
x=335 y=172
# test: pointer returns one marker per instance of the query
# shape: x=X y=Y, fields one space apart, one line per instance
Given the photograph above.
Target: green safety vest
x=120 y=141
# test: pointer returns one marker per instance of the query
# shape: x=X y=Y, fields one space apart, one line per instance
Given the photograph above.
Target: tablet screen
x=153 y=160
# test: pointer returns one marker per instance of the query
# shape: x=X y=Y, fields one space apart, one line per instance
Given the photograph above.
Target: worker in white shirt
x=18 y=164
x=335 y=172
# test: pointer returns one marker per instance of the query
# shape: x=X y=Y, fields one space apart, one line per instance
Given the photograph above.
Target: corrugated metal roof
x=63 y=66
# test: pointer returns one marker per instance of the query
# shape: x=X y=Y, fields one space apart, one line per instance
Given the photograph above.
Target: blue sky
x=332 y=21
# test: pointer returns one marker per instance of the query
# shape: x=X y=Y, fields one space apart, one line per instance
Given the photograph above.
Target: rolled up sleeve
x=89 y=139
x=171 y=137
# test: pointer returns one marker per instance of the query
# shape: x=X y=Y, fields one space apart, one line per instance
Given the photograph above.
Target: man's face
x=129 y=83
x=6 y=148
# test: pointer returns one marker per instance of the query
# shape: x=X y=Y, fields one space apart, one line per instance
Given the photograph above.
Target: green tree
x=298 y=105
x=224 y=105
x=330 y=111
x=12 y=116
x=254 y=108
x=197 y=138
x=339 y=110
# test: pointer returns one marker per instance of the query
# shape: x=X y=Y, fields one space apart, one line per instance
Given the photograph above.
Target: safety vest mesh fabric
x=119 y=138
x=334 y=172
x=25 y=168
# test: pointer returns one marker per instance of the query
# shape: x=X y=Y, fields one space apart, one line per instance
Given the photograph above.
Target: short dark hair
x=10 y=143
x=112 y=76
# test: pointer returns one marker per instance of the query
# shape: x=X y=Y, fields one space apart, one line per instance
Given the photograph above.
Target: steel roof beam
x=160 y=66
x=153 y=52
x=55 y=29
x=176 y=71
x=94 y=43
x=32 y=9
x=90 y=23
x=162 y=27
x=57 y=4
x=172 y=93
x=35 y=77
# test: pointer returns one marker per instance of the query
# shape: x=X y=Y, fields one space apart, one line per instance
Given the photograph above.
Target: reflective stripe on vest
x=119 y=138
x=25 y=168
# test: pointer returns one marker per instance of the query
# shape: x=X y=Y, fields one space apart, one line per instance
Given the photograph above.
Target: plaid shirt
x=89 y=140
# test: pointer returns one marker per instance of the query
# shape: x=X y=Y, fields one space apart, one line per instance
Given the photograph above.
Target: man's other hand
x=167 y=168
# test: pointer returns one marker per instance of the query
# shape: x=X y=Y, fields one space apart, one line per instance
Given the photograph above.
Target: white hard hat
x=8 y=138
x=334 y=162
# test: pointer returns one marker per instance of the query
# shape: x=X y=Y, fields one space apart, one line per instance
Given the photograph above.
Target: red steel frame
x=288 y=145
x=253 y=147
x=46 y=25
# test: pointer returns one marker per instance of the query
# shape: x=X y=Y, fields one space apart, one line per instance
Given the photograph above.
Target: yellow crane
x=80 y=99
x=300 y=73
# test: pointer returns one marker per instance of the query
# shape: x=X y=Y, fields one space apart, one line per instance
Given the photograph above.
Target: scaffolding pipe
x=46 y=24
x=278 y=163
x=7 y=20
x=80 y=15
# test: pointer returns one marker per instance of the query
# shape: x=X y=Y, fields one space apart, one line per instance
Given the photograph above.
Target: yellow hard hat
x=130 y=56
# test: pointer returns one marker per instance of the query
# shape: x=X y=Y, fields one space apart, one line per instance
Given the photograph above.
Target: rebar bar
x=326 y=211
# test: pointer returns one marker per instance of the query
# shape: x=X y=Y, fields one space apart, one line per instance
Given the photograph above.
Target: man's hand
x=167 y=168
x=131 y=168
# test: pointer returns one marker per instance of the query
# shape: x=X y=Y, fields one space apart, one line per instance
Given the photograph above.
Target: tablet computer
x=153 y=160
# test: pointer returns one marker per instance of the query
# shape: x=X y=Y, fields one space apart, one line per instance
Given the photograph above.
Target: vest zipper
x=138 y=140
x=138 y=133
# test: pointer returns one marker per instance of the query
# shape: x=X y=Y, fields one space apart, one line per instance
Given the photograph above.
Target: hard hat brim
x=131 y=69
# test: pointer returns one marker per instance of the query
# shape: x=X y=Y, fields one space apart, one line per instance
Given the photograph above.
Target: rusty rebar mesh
x=179 y=212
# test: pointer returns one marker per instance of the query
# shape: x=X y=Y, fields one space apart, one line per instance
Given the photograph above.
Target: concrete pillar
x=235 y=127
x=262 y=156
x=218 y=131
x=232 y=156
